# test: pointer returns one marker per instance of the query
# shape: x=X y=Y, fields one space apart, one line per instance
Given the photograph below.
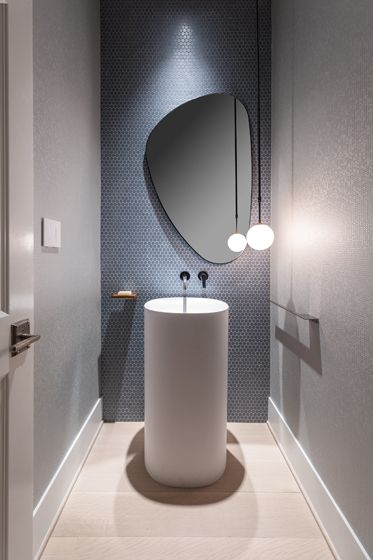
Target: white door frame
x=20 y=395
x=4 y=317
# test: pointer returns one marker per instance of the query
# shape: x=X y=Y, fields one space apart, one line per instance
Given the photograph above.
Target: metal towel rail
x=303 y=316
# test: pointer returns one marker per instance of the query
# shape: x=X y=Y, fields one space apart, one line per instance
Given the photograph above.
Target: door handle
x=21 y=338
x=25 y=343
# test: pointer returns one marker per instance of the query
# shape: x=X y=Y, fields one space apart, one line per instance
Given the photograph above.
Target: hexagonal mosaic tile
x=156 y=55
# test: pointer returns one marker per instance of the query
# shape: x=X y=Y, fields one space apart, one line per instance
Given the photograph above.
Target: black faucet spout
x=184 y=277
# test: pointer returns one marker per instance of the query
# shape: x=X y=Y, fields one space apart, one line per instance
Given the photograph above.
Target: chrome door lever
x=21 y=338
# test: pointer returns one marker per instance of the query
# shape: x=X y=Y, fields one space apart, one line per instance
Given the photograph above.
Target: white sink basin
x=186 y=361
x=186 y=305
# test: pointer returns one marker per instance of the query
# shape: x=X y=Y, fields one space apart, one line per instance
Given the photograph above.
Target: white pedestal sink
x=186 y=361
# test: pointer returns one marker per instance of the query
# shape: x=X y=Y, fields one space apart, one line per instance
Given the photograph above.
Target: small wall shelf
x=303 y=316
x=124 y=295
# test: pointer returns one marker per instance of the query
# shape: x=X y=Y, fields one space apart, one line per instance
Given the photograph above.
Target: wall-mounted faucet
x=184 y=276
x=203 y=277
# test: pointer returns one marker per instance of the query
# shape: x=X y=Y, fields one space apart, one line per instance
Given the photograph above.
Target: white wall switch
x=51 y=233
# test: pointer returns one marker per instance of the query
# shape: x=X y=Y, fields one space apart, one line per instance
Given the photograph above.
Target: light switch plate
x=51 y=233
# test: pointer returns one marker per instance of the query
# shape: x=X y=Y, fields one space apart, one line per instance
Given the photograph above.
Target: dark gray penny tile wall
x=157 y=55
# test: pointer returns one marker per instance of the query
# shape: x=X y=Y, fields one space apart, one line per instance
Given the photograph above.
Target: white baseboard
x=52 y=501
x=339 y=533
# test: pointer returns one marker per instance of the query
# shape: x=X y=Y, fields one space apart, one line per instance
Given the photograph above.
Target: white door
x=16 y=279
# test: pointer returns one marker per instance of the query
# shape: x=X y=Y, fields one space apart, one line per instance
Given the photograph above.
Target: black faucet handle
x=203 y=277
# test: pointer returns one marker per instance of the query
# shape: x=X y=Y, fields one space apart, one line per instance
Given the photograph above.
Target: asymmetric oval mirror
x=199 y=158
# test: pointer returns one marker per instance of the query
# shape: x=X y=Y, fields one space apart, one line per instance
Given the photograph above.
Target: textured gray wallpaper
x=157 y=55
x=67 y=188
x=322 y=194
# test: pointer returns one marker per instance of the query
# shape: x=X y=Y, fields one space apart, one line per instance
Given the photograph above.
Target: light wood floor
x=255 y=512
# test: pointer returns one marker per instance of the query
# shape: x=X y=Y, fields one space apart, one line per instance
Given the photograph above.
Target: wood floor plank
x=250 y=433
x=61 y=546
x=256 y=449
x=187 y=549
x=190 y=514
x=118 y=471
x=119 y=429
x=244 y=432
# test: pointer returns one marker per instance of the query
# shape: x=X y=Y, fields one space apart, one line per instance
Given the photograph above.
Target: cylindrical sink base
x=186 y=362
